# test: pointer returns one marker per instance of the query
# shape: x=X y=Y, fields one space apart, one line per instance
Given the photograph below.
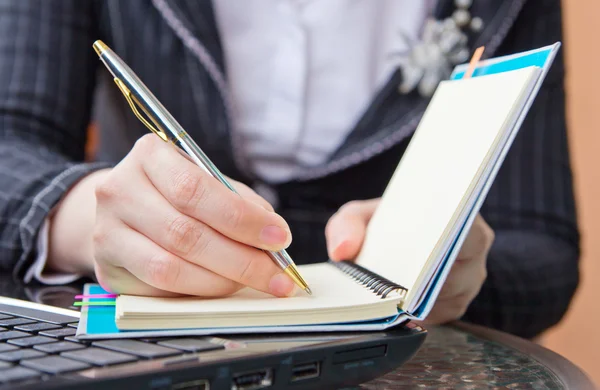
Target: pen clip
x=132 y=103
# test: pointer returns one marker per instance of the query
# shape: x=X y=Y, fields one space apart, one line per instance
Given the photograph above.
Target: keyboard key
x=138 y=348
x=58 y=333
x=40 y=315
x=4 y=316
x=76 y=340
x=2 y=329
x=152 y=339
x=7 y=347
x=99 y=357
x=17 y=374
x=54 y=364
x=36 y=327
x=4 y=365
x=191 y=345
x=31 y=341
x=12 y=334
x=15 y=321
x=60 y=346
x=20 y=354
x=73 y=325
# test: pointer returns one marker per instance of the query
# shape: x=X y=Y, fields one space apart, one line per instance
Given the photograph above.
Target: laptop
x=39 y=350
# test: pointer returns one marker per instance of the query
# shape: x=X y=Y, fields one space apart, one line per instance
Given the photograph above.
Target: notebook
x=413 y=238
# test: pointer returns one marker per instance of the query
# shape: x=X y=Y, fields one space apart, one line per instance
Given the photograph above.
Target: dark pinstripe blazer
x=49 y=73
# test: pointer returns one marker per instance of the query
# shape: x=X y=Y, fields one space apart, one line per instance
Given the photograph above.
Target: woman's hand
x=346 y=231
x=157 y=224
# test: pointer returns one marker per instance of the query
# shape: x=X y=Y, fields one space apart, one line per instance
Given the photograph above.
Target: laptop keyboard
x=36 y=344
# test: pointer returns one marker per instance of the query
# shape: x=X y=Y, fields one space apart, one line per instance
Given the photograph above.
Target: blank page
x=441 y=165
x=331 y=289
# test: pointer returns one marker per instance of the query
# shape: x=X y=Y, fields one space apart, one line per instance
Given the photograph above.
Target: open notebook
x=414 y=236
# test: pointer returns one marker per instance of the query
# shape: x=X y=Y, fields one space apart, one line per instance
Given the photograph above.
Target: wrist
x=71 y=225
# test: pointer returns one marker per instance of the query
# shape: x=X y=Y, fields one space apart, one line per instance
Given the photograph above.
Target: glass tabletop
x=452 y=358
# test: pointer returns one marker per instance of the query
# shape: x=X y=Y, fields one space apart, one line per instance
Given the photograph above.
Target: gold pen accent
x=132 y=103
x=100 y=47
x=161 y=123
x=293 y=273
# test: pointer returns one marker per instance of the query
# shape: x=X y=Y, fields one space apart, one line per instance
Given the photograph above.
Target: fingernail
x=281 y=285
x=335 y=243
x=274 y=235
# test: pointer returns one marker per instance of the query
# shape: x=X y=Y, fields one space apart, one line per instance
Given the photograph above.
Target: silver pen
x=169 y=130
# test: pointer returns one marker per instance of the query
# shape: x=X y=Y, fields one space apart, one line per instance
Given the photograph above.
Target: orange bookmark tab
x=474 y=60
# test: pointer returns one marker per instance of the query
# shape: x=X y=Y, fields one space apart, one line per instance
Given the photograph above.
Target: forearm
x=71 y=227
x=532 y=278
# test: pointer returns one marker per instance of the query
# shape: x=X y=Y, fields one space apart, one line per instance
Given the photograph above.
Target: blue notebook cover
x=542 y=58
x=98 y=322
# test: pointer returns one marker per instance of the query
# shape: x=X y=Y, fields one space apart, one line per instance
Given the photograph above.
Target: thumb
x=346 y=230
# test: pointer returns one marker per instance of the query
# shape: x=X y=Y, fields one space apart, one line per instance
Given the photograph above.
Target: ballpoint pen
x=169 y=130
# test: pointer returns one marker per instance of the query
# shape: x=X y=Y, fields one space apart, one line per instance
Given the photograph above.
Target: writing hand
x=163 y=226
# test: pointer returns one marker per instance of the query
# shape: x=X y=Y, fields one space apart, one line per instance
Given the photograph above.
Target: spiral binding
x=379 y=285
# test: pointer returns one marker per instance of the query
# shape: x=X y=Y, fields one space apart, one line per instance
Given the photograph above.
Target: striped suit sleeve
x=533 y=264
x=46 y=85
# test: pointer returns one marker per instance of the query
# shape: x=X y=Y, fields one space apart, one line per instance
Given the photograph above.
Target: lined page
x=460 y=128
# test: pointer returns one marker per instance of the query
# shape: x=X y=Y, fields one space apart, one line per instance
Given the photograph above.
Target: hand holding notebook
x=412 y=238
x=345 y=234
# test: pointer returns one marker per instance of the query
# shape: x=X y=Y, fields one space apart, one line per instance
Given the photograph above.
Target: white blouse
x=303 y=71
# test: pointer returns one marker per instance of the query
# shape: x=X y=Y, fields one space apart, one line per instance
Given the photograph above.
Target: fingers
x=464 y=280
x=445 y=311
x=478 y=241
x=466 y=277
x=120 y=281
x=193 y=241
x=244 y=191
x=153 y=266
x=346 y=229
x=461 y=287
x=197 y=194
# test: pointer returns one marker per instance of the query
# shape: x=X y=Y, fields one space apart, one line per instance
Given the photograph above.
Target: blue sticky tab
x=537 y=58
x=100 y=319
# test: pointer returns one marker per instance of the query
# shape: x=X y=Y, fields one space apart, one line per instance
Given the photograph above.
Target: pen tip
x=100 y=47
x=308 y=291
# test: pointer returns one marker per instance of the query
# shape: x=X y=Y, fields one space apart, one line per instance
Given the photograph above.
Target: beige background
x=577 y=337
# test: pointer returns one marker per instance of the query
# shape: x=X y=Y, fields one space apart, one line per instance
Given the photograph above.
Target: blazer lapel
x=194 y=22
x=196 y=17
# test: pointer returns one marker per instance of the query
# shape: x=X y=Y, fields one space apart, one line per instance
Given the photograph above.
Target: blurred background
x=578 y=336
